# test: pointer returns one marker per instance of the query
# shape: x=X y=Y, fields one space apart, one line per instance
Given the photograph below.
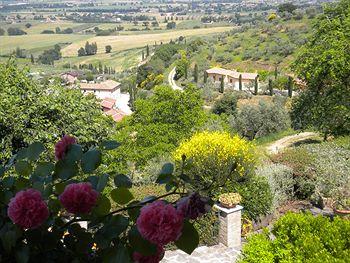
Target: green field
x=37 y=43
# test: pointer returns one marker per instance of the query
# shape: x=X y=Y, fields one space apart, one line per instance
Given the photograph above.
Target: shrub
x=215 y=158
x=226 y=104
x=254 y=121
x=300 y=238
x=281 y=182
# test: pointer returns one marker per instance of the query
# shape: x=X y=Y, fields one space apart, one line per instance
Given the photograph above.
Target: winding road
x=171 y=80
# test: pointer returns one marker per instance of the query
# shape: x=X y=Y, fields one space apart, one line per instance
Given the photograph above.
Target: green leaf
x=23 y=168
x=140 y=244
x=22 y=254
x=167 y=168
x=110 y=145
x=93 y=179
x=8 y=240
x=66 y=170
x=21 y=154
x=112 y=228
x=2 y=170
x=122 y=180
x=164 y=178
x=185 y=178
x=103 y=206
x=74 y=153
x=134 y=212
x=119 y=254
x=59 y=188
x=189 y=238
x=102 y=182
x=44 y=169
x=91 y=160
x=21 y=183
x=34 y=150
x=8 y=181
x=121 y=195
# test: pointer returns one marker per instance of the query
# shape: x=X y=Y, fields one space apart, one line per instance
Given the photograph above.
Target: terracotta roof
x=117 y=115
x=232 y=73
x=105 y=85
x=108 y=103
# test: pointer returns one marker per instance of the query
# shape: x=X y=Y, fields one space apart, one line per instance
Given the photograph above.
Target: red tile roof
x=105 y=85
x=117 y=115
x=108 y=103
x=232 y=73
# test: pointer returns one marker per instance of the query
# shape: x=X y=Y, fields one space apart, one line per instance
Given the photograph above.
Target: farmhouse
x=108 y=107
x=105 y=89
x=70 y=77
x=231 y=77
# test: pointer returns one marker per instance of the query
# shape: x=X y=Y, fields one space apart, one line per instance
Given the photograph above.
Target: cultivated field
x=37 y=43
x=120 y=43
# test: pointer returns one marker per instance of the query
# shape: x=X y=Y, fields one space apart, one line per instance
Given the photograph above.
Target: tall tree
x=147 y=51
x=290 y=86
x=270 y=87
x=324 y=65
x=205 y=77
x=32 y=59
x=256 y=85
x=240 y=82
x=195 y=73
x=222 y=84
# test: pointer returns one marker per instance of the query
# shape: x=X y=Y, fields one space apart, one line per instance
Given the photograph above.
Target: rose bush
x=61 y=212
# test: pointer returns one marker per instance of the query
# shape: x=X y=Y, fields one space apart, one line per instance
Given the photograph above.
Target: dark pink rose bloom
x=27 y=209
x=159 y=223
x=139 y=258
x=61 y=146
x=193 y=206
x=79 y=198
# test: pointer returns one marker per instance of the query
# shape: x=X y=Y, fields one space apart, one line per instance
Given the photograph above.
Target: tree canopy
x=31 y=112
x=159 y=123
x=324 y=65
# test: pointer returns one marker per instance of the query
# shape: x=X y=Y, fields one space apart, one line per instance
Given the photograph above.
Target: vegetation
x=324 y=65
x=299 y=237
x=31 y=112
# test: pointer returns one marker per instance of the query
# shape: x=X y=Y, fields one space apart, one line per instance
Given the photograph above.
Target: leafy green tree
x=15 y=31
x=324 y=65
x=2 y=31
x=182 y=65
x=159 y=123
x=108 y=48
x=31 y=112
x=81 y=52
x=226 y=104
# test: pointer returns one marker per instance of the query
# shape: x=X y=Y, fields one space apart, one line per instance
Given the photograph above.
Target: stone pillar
x=230 y=226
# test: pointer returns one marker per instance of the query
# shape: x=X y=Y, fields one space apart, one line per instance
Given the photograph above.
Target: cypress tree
x=147 y=51
x=195 y=73
x=270 y=87
x=240 y=82
x=32 y=58
x=186 y=71
x=222 y=85
x=143 y=55
x=276 y=72
x=205 y=77
x=256 y=86
x=290 y=86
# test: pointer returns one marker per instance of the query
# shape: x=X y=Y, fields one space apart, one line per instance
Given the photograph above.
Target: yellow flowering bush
x=213 y=158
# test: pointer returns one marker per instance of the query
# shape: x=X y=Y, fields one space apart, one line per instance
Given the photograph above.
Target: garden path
x=287 y=141
x=214 y=254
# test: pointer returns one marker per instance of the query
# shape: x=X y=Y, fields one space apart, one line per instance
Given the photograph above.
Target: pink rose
x=139 y=258
x=61 y=147
x=159 y=223
x=193 y=206
x=27 y=209
x=79 y=198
